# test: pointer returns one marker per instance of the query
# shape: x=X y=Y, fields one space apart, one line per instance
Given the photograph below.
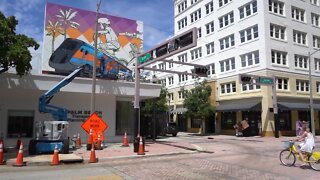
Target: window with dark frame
x=20 y=123
x=228 y=119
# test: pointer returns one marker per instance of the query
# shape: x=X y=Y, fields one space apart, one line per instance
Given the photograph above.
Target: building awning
x=232 y=106
x=297 y=106
x=179 y=110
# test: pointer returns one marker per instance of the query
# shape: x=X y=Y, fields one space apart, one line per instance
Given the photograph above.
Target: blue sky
x=157 y=15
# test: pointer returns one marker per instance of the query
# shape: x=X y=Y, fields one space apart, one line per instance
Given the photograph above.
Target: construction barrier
x=78 y=142
x=141 y=147
x=55 y=159
x=125 y=140
x=93 y=158
x=19 y=160
x=2 y=162
x=90 y=141
x=99 y=143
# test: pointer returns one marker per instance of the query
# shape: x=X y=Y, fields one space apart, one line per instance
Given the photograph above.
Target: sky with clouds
x=157 y=15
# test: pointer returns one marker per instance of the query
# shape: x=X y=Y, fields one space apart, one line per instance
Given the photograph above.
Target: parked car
x=172 y=128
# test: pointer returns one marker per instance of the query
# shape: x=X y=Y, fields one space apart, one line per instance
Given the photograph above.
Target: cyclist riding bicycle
x=307 y=145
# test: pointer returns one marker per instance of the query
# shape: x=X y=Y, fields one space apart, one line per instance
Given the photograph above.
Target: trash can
x=136 y=142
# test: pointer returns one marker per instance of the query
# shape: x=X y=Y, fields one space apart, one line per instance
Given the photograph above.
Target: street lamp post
x=93 y=93
x=311 y=94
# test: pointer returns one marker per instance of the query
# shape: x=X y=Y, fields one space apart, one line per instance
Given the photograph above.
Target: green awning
x=232 y=106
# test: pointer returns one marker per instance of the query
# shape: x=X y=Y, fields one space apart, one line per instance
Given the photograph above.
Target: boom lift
x=50 y=133
x=71 y=53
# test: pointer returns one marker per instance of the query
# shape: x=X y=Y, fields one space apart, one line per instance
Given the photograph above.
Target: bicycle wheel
x=287 y=158
x=314 y=163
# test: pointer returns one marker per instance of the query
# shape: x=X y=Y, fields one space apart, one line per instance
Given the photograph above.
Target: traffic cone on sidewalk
x=141 y=149
x=78 y=142
x=19 y=161
x=93 y=158
x=125 y=140
x=2 y=162
x=90 y=141
x=99 y=147
x=55 y=159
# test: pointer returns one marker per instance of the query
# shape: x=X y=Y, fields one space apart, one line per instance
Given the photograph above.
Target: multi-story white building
x=258 y=37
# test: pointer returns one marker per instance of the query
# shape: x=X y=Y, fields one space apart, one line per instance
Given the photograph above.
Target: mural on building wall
x=119 y=38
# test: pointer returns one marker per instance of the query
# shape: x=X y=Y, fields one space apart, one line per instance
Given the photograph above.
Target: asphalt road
x=224 y=157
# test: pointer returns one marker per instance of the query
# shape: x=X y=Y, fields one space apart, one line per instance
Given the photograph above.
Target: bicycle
x=289 y=155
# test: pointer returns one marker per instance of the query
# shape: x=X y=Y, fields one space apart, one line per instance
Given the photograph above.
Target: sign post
x=267 y=81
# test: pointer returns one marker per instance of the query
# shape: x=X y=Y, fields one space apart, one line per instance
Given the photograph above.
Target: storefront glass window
x=195 y=123
x=20 y=123
x=285 y=120
x=228 y=119
x=124 y=117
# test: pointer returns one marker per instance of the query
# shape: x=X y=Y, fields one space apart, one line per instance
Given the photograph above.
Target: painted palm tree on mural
x=54 y=29
x=65 y=17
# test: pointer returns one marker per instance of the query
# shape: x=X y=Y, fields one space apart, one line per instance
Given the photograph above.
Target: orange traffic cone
x=90 y=140
x=93 y=158
x=99 y=147
x=19 y=161
x=78 y=142
x=2 y=162
x=125 y=140
x=55 y=159
x=141 y=149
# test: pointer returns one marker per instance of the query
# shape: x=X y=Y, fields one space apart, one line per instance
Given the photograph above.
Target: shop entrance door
x=253 y=117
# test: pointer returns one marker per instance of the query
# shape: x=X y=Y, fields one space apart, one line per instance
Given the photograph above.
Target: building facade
x=257 y=37
x=19 y=114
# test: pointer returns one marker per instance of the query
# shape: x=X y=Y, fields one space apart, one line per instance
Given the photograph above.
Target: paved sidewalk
x=110 y=151
x=160 y=147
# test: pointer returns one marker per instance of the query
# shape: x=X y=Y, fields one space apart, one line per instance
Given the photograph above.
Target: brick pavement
x=163 y=147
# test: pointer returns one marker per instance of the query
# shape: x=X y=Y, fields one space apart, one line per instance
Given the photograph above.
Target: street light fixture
x=311 y=95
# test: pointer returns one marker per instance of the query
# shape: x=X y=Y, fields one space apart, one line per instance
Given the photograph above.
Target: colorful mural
x=119 y=38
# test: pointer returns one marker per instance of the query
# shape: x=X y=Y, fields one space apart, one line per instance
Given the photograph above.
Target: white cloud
x=153 y=37
x=25 y=6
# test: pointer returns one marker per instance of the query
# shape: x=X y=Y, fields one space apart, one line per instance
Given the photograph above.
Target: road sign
x=144 y=58
x=97 y=125
x=255 y=80
x=266 y=80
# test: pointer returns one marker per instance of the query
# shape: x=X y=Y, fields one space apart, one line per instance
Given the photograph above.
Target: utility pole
x=93 y=93
x=136 y=126
x=313 y=130
x=275 y=108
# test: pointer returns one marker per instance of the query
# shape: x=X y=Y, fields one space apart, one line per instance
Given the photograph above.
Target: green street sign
x=144 y=58
x=266 y=80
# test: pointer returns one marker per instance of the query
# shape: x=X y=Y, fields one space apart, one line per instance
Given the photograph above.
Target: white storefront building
x=19 y=98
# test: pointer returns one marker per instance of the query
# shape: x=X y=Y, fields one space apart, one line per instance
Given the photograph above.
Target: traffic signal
x=245 y=79
x=171 y=47
x=201 y=71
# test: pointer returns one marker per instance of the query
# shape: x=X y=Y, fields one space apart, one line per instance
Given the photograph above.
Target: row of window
x=281 y=83
x=247 y=60
x=225 y=20
x=298 y=14
x=275 y=6
x=300 y=61
x=182 y=6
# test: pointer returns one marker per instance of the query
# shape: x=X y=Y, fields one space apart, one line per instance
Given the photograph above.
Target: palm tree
x=53 y=28
x=65 y=17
